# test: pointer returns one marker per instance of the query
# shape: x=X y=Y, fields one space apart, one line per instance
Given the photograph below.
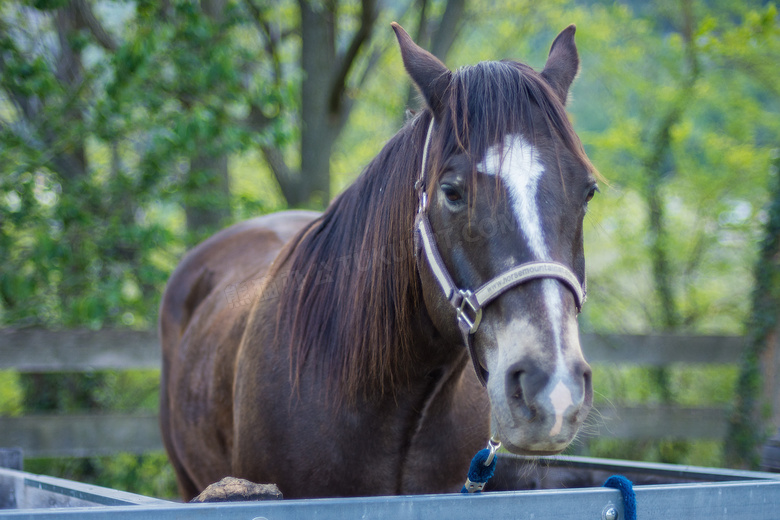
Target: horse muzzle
x=539 y=399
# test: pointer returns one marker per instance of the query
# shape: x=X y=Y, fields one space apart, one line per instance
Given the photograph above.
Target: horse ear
x=563 y=63
x=426 y=70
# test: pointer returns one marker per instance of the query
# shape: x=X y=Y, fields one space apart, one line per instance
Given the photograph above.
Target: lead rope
x=483 y=465
x=627 y=493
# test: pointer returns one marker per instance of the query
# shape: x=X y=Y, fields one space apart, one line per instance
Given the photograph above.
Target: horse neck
x=358 y=316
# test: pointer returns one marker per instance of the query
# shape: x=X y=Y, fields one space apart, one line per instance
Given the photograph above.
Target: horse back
x=203 y=313
x=227 y=258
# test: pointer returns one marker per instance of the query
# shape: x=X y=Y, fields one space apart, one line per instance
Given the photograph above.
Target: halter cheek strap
x=468 y=305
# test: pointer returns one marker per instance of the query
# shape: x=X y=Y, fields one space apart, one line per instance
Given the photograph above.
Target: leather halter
x=468 y=305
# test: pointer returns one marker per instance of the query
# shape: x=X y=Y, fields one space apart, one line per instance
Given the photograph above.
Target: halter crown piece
x=468 y=304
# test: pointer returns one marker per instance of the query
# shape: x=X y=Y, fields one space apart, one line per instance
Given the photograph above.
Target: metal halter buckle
x=471 y=323
x=493 y=445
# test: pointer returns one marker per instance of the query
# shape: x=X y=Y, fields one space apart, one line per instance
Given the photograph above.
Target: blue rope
x=479 y=474
x=626 y=489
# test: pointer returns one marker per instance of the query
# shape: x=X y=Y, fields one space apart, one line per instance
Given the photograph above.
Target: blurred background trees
x=130 y=130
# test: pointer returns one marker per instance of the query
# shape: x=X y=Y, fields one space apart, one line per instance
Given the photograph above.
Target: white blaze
x=521 y=170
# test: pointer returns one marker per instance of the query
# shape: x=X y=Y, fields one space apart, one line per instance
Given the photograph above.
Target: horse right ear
x=563 y=63
x=430 y=75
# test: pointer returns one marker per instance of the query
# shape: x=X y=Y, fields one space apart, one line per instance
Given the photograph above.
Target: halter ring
x=469 y=322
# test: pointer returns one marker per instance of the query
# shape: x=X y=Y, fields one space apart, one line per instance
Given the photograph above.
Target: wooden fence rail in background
x=36 y=350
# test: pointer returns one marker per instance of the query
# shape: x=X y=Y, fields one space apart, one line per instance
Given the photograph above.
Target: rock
x=231 y=489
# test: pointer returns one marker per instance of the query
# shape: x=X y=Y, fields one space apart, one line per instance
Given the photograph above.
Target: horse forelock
x=487 y=102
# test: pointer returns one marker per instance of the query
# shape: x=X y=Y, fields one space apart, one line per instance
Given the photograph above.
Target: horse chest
x=451 y=427
x=418 y=442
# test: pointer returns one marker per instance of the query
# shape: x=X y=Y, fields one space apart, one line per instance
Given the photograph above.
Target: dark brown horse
x=332 y=353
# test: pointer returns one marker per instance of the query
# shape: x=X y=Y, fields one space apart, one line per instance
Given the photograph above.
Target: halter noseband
x=468 y=305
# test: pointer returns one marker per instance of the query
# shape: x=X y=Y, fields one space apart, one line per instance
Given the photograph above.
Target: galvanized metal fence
x=662 y=491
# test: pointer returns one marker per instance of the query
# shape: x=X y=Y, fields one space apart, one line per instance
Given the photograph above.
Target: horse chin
x=511 y=447
x=527 y=442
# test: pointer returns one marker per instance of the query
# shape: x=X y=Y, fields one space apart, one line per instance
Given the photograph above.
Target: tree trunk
x=207 y=205
x=327 y=78
x=207 y=202
x=756 y=412
x=69 y=157
x=44 y=391
x=71 y=163
x=658 y=233
x=320 y=126
x=657 y=165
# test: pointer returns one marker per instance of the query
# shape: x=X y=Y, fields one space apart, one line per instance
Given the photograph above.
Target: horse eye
x=452 y=194
x=591 y=193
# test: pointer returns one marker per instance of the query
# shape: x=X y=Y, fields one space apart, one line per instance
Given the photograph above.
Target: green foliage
x=98 y=170
x=118 y=391
x=93 y=175
x=61 y=392
x=700 y=453
x=690 y=385
x=11 y=396
x=149 y=474
x=712 y=179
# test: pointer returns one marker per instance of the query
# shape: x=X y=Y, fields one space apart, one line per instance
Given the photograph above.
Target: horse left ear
x=430 y=75
x=563 y=63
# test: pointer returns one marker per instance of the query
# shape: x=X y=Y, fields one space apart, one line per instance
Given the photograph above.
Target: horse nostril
x=516 y=379
x=582 y=392
x=586 y=380
x=588 y=388
x=521 y=393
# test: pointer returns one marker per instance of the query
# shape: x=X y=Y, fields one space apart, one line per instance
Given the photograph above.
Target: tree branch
x=368 y=16
x=270 y=40
x=256 y=120
x=86 y=18
x=371 y=63
x=441 y=39
x=24 y=105
x=422 y=23
x=289 y=180
x=447 y=32
x=653 y=166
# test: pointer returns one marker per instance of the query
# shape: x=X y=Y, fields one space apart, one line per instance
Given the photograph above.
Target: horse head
x=504 y=187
